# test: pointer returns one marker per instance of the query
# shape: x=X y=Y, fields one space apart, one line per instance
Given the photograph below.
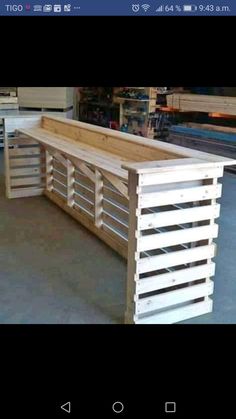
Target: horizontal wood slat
x=148 y=200
x=26 y=181
x=179 y=176
x=178 y=277
x=175 y=297
x=24 y=151
x=152 y=263
x=25 y=171
x=26 y=161
x=179 y=216
x=178 y=314
x=172 y=238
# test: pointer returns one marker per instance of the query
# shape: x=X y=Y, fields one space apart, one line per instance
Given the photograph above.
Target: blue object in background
x=203 y=133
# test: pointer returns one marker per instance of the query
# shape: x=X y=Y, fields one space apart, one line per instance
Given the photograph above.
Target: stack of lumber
x=8 y=91
x=205 y=137
x=202 y=103
x=8 y=103
x=8 y=99
x=44 y=98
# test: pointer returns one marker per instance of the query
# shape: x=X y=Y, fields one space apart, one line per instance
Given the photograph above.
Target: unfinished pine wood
x=202 y=103
x=45 y=97
x=49 y=170
x=152 y=203
x=70 y=183
x=98 y=198
x=173 y=278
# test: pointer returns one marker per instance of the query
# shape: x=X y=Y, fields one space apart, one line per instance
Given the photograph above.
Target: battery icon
x=189 y=8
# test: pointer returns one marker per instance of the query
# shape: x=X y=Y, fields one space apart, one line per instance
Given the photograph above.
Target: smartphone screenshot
x=117 y=209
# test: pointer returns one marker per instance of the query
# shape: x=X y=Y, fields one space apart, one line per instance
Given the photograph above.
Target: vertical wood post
x=49 y=171
x=7 y=165
x=133 y=255
x=98 y=204
x=70 y=183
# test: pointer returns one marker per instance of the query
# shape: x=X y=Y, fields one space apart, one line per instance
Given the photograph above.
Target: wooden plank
x=57 y=156
x=115 y=196
x=26 y=181
x=200 y=160
x=172 y=238
x=70 y=183
x=117 y=235
x=45 y=97
x=83 y=211
x=7 y=166
x=83 y=180
x=117 y=183
x=25 y=161
x=21 y=141
x=58 y=186
x=25 y=171
x=107 y=139
x=26 y=192
x=49 y=171
x=111 y=241
x=170 y=186
x=178 y=277
x=178 y=314
x=200 y=193
x=132 y=268
x=115 y=223
x=8 y=99
x=8 y=106
x=166 y=299
x=59 y=166
x=12 y=123
x=79 y=132
x=179 y=216
x=202 y=103
x=84 y=190
x=98 y=204
x=86 y=170
x=152 y=263
x=75 y=151
x=30 y=151
x=61 y=177
x=84 y=202
x=180 y=176
x=116 y=210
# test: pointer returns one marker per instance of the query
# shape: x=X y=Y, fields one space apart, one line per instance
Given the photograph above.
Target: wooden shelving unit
x=96 y=106
x=136 y=104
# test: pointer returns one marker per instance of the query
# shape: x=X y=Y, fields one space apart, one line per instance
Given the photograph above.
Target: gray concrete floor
x=52 y=270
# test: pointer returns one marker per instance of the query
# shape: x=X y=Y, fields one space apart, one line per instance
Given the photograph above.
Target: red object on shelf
x=113 y=125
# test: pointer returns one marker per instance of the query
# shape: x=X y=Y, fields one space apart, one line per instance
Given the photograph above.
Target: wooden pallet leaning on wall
x=160 y=215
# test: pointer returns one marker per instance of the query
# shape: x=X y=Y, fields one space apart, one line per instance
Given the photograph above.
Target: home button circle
x=117 y=407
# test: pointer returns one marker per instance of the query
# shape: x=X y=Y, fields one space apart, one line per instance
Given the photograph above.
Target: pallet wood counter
x=152 y=202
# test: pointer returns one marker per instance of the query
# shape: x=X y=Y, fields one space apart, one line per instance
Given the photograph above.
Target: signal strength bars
x=160 y=9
